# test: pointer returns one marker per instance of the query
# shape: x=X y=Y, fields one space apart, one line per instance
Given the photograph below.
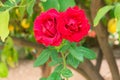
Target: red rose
x=73 y=24
x=45 y=28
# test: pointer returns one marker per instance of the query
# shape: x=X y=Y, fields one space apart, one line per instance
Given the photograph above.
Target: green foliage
x=43 y=79
x=89 y=54
x=51 y=4
x=117 y=11
x=58 y=68
x=101 y=13
x=109 y=1
x=54 y=76
x=80 y=52
x=118 y=26
x=43 y=0
x=72 y=61
x=66 y=73
x=65 y=46
x=66 y=53
x=64 y=4
x=3 y=70
x=9 y=55
x=9 y=4
x=42 y=58
x=4 y=13
x=117 y=15
x=4 y=20
x=30 y=6
x=60 y=5
x=74 y=51
x=22 y=9
x=72 y=55
x=55 y=61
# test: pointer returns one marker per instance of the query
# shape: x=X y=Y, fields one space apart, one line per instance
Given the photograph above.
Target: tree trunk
x=103 y=41
x=90 y=70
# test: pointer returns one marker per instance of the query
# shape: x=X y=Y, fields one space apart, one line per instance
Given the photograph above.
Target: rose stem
x=64 y=61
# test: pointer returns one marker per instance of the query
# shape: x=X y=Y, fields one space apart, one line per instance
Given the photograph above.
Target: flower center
x=49 y=28
x=73 y=25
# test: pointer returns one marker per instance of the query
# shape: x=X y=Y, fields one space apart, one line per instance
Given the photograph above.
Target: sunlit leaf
x=117 y=11
x=101 y=13
x=43 y=0
x=3 y=70
x=118 y=25
x=4 y=21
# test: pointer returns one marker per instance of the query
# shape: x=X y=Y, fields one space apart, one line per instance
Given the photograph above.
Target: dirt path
x=26 y=71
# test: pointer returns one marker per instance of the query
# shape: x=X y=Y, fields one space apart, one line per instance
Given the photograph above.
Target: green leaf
x=53 y=63
x=42 y=58
x=101 y=13
x=51 y=4
x=9 y=4
x=22 y=9
x=119 y=36
x=64 y=4
x=64 y=48
x=7 y=50
x=117 y=11
x=54 y=76
x=74 y=51
x=72 y=61
x=89 y=54
x=17 y=1
x=30 y=6
x=118 y=25
x=4 y=21
x=3 y=70
x=15 y=55
x=43 y=0
x=66 y=73
x=54 y=54
x=55 y=58
x=58 y=68
x=43 y=79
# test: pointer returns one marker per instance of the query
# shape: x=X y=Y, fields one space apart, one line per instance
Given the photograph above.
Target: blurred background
x=19 y=50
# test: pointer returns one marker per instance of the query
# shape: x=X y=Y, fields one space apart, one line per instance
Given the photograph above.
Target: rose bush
x=45 y=28
x=50 y=28
x=73 y=24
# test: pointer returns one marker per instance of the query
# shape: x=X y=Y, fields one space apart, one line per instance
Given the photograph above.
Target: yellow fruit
x=25 y=24
x=17 y=12
x=112 y=25
x=11 y=28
